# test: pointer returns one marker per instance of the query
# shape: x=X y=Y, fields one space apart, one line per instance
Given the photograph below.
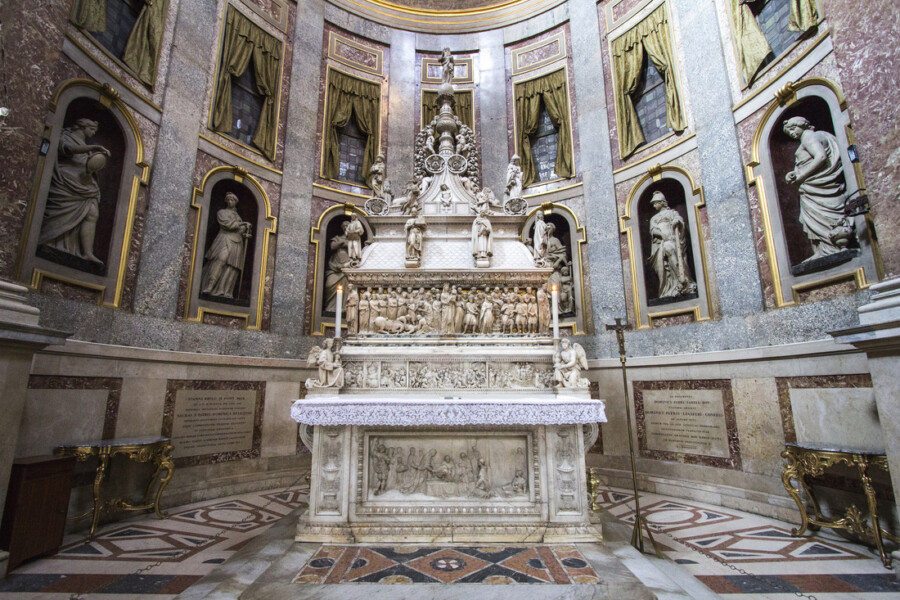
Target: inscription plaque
x=213 y=421
x=685 y=421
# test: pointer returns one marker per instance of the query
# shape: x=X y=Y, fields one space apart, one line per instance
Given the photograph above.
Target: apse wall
x=747 y=335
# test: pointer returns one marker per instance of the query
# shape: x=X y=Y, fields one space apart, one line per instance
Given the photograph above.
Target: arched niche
x=330 y=255
x=79 y=224
x=228 y=270
x=788 y=245
x=666 y=250
x=570 y=234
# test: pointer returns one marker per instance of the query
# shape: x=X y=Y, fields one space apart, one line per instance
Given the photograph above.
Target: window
x=247 y=105
x=543 y=147
x=352 y=144
x=121 y=15
x=773 y=17
x=650 y=102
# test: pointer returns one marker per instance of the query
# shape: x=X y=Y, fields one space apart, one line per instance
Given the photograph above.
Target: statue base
x=824 y=262
x=413 y=263
x=482 y=263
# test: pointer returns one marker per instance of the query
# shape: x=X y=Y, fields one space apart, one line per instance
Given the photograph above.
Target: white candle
x=337 y=315
x=554 y=294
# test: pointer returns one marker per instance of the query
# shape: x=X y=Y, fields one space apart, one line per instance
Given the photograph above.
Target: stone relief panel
x=472 y=375
x=330 y=478
x=566 y=464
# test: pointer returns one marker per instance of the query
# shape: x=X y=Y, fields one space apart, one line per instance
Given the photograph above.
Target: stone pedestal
x=20 y=338
x=438 y=470
x=879 y=336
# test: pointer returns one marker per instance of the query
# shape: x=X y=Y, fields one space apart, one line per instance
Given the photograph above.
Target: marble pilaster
x=402 y=109
x=492 y=95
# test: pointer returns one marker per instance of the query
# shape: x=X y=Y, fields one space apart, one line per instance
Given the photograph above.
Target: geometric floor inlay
x=417 y=564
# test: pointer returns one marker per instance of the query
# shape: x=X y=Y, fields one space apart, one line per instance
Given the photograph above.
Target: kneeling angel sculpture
x=331 y=372
x=568 y=362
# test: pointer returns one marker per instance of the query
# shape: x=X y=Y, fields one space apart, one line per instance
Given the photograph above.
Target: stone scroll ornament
x=328 y=362
x=668 y=250
x=225 y=257
x=819 y=173
x=569 y=361
x=73 y=201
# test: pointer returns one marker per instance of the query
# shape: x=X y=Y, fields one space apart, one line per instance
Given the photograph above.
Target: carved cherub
x=568 y=363
x=331 y=371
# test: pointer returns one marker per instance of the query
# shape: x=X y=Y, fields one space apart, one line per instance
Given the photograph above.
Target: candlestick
x=337 y=317
x=554 y=294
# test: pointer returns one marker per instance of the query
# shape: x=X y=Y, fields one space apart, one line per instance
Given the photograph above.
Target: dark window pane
x=246 y=106
x=352 y=146
x=120 y=18
x=773 y=17
x=650 y=102
x=543 y=147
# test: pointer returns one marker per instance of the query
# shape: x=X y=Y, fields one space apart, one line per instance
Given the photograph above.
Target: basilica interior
x=473 y=274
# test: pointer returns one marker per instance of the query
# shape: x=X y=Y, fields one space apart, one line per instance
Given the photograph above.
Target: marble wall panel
x=784 y=385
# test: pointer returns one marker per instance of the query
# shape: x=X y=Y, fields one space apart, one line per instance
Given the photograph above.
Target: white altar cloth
x=432 y=409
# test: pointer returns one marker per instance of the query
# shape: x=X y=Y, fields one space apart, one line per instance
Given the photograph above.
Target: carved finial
x=786 y=93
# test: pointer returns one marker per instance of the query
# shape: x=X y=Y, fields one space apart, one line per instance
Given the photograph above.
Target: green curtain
x=91 y=15
x=464 y=107
x=349 y=97
x=751 y=43
x=651 y=36
x=804 y=15
x=551 y=90
x=142 y=49
x=244 y=40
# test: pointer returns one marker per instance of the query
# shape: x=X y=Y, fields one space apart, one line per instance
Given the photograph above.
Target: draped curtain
x=464 y=109
x=551 y=90
x=651 y=36
x=243 y=40
x=804 y=15
x=349 y=97
x=91 y=15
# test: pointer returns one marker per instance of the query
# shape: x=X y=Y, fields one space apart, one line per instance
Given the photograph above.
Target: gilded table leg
x=98 y=500
x=792 y=470
x=165 y=462
x=873 y=509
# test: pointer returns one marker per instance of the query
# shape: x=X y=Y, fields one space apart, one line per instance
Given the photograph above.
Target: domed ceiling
x=446 y=16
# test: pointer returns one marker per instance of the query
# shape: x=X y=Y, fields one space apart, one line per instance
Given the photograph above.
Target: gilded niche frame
x=863 y=269
x=700 y=308
x=577 y=325
x=318 y=321
x=266 y=225
x=35 y=270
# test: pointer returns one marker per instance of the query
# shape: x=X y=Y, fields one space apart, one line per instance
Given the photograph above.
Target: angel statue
x=568 y=362
x=331 y=372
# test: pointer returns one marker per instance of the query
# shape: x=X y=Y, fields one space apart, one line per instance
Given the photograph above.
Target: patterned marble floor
x=738 y=555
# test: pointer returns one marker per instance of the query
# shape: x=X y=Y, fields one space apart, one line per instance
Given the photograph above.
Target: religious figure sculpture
x=375 y=178
x=482 y=240
x=415 y=235
x=448 y=66
x=73 y=202
x=514 y=178
x=569 y=361
x=411 y=199
x=353 y=311
x=544 y=309
x=331 y=372
x=818 y=172
x=334 y=270
x=540 y=240
x=668 y=250
x=226 y=255
x=354 y=235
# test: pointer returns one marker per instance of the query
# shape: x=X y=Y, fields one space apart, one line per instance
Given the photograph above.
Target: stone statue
x=375 y=178
x=225 y=256
x=819 y=173
x=415 y=235
x=668 y=250
x=331 y=372
x=411 y=199
x=569 y=361
x=353 y=311
x=365 y=301
x=514 y=178
x=544 y=309
x=482 y=240
x=354 y=233
x=540 y=240
x=448 y=64
x=446 y=197
x=334 y=270
x=388 y=192
x=73 y=202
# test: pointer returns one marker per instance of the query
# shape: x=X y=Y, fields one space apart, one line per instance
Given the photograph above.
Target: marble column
x=20 y=338
x=879 y=336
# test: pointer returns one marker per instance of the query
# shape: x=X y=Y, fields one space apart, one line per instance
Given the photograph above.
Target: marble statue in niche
x=334 y=270
x=482 y=239
x=539 y=240
x=448 y=65
x=668 y=250
x=328 y=362
x=818 y=173
x=72 y=209
x=415 y=237
x=375 y=178
x=353 y=234
x=226 y=256
x=569 y=361
x=557 y=256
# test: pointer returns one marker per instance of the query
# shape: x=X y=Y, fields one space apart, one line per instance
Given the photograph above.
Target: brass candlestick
x=640 y=524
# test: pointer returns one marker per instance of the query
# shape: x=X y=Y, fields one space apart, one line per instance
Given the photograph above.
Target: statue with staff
x=227 y=254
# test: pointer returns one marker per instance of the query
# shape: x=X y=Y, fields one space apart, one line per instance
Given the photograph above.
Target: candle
x=554 y=294
x=337 y=315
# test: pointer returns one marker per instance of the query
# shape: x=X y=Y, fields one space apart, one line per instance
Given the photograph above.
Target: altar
x=450 y=410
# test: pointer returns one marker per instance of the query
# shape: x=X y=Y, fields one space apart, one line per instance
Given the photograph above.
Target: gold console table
x=154 y=450
x=812 y=460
